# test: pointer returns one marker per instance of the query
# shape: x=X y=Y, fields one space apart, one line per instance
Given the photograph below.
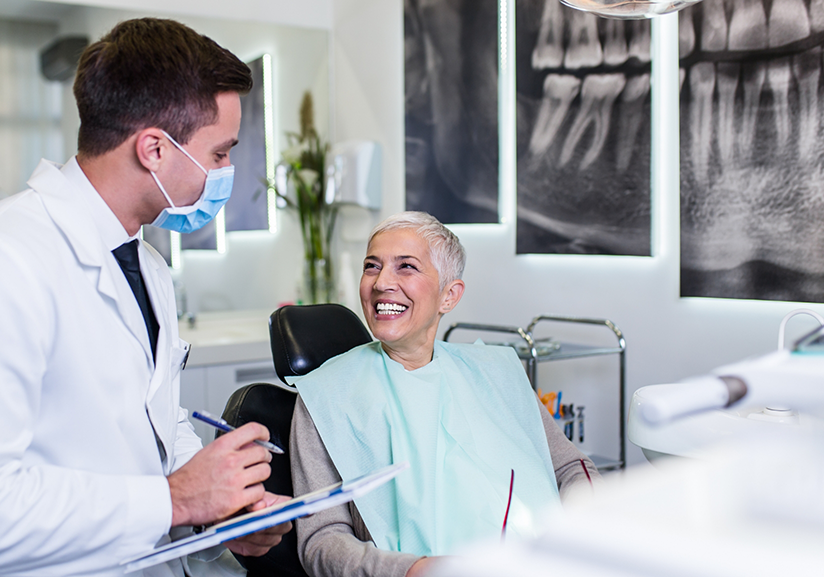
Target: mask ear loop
x=184 y=151
x=163 y=190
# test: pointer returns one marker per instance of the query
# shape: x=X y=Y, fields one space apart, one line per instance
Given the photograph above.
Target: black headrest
x=303 y=337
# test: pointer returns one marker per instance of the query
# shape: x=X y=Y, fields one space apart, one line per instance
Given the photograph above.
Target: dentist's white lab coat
x=85 y=414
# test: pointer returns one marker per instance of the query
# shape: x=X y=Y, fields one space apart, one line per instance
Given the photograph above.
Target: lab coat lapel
x=162 y=399
x=81 y=234
x=158 y=294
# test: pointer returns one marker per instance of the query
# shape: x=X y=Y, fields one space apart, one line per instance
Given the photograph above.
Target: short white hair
x=445 y=249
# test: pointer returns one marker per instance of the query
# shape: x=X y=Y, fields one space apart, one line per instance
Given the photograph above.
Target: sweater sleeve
x=567 y=460
x=333 y=542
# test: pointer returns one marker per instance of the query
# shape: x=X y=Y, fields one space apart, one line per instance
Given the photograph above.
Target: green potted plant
x=304 y=190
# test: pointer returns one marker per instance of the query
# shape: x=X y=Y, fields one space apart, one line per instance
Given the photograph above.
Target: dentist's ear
x=452 y=295
x=151 y=148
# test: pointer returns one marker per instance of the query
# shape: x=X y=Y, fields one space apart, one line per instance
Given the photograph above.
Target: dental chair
x=302 y=339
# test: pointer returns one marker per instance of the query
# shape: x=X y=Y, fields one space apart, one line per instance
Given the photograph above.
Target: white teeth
x=639 y=45
x=788 y=22
x=584 y=48
x=753 y=75
x=686 y=33
x=559 y=92
x=726 y=82
x=390 y=308
x=630 y=118
x=806 y=72
x=598 y=93
x=702 y=85
x=779 y=77
x=817 y=15
x=714 y=27
x=549 y=50
x=748 y=26
x=615 y=43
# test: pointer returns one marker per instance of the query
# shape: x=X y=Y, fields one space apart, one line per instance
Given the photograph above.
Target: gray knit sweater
x=336 y=542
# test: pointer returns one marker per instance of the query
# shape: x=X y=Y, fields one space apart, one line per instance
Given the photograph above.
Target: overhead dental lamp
x=629 y=9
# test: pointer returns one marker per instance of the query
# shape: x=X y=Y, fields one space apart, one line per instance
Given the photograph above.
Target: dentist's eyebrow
x=231 y=143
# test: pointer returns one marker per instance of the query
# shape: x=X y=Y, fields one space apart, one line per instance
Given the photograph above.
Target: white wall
x=305 y=13
x=668 y=337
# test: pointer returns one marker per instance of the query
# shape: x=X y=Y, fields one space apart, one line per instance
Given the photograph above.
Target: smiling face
x=401 y=296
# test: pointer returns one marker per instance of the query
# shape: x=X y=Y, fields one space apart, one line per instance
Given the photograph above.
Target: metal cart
x=534 y=351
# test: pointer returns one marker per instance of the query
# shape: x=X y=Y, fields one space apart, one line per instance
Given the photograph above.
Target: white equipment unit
x=353 y=173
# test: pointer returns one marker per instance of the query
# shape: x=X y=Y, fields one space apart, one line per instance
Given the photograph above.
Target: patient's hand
x=422 y=567
x=259 y=543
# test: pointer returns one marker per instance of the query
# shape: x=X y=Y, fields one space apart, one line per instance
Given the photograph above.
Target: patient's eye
x=407 y=265
x=369 y=265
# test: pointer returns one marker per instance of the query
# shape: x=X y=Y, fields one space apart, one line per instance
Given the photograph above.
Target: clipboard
x=330 y=496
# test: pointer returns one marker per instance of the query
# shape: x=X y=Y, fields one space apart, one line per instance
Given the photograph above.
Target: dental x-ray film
x=451 y=105
x=752 y=176
x=583 y=98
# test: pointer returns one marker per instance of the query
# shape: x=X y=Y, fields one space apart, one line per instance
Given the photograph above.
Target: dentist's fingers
x=224 y=477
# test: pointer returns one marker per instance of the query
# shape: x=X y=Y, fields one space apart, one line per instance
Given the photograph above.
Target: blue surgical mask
x=216 y=191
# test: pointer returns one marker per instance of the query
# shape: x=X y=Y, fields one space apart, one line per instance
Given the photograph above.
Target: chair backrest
x=302 y=339
x=272 y=406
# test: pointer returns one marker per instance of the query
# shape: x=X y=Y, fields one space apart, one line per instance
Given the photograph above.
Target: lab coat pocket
x=163 y=403
x=179 y=357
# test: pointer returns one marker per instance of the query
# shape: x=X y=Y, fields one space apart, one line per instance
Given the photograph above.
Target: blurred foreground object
x=753 y=508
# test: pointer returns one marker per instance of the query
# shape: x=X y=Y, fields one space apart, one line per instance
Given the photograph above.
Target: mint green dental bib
x=463 y=422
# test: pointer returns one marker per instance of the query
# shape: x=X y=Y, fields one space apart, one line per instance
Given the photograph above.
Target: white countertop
x=228 y=337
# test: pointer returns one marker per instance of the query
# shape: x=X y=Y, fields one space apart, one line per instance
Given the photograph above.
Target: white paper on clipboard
x=319 y=500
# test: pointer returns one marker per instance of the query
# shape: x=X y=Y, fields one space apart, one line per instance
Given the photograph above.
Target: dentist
x=98 y=461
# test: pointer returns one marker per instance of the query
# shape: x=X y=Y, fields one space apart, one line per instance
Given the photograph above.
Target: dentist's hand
x=259 y=543
x=224 y=477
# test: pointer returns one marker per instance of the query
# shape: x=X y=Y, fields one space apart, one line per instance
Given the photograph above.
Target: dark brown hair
x=151 y=72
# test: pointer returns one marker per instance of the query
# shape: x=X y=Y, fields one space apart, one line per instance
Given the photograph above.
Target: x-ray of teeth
x=451 y=105
x=752 y=155
x=583 y=87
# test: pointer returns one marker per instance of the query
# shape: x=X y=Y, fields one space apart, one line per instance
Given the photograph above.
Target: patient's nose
x=386 y=280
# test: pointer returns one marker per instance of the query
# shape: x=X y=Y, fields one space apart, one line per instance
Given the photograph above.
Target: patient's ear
x=452 y=295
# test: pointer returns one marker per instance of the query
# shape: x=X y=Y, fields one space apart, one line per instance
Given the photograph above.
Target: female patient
x=464 y=416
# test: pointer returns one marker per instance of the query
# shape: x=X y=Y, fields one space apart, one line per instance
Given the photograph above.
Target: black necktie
x=126 y=255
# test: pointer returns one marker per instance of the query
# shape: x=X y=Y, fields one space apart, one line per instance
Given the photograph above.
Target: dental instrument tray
x=537 y=350
x=542 y=347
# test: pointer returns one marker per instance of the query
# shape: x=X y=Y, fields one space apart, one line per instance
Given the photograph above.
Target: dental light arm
x=779 y=378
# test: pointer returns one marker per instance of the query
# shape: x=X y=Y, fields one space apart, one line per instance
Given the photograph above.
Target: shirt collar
x=108 y=225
